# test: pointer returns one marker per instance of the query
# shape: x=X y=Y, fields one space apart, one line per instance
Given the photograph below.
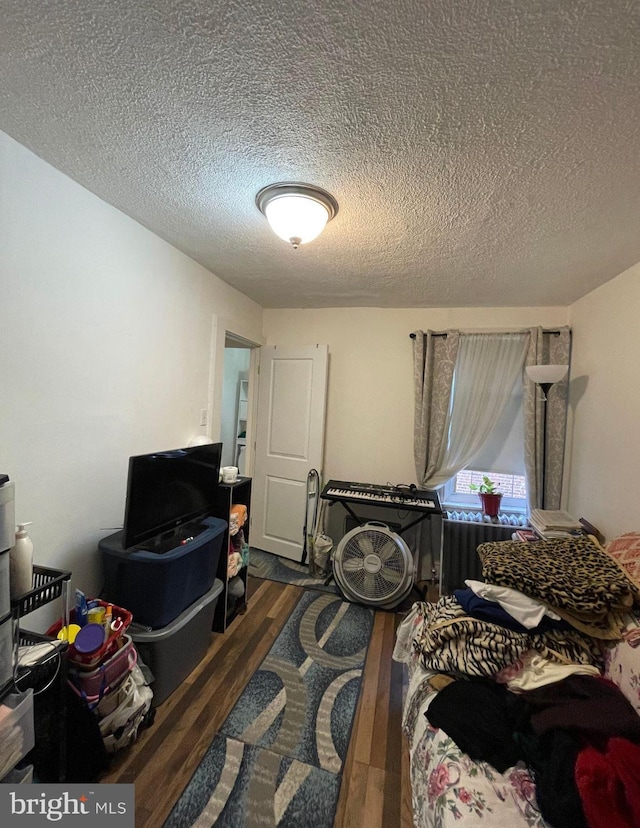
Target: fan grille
x=374 y=565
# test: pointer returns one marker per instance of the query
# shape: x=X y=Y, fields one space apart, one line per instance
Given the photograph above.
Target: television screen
x=168 y=489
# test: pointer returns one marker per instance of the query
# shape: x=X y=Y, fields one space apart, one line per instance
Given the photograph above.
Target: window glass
x=457 y=493
x=501 y=459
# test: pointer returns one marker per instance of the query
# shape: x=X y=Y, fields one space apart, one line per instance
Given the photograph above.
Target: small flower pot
x=491 y=503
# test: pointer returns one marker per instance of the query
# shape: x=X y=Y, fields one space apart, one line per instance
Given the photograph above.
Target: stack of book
x=525 y=535
x=554 y=523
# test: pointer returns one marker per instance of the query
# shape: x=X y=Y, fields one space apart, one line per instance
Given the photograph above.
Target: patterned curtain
x=546 y=349
x=487 y=368
x=434 y=358
x=454 y=417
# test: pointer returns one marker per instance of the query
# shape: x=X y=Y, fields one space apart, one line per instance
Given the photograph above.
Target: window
x=456 y=492
x=501 y=458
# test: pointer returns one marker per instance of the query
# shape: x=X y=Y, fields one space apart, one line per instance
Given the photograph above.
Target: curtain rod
x=544 y=331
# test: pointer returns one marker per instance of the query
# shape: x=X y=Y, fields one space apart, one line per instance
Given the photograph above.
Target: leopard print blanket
x=575 y=577
x=450 y=641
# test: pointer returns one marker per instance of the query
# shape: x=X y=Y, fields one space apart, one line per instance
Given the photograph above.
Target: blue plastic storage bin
x=154 y=587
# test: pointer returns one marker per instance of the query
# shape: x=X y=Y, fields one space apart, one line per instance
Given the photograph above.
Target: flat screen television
x=168 y=489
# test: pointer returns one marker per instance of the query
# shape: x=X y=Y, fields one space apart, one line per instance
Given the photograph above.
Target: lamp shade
x=546 y=374
x=297 y=213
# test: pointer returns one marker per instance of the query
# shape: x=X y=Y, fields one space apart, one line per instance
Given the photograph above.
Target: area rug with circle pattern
x=278 y=757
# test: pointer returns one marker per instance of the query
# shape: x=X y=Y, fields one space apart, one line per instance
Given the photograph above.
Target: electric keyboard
x=399 y=497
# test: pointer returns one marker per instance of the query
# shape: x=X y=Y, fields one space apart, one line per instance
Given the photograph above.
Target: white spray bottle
x=21 y=563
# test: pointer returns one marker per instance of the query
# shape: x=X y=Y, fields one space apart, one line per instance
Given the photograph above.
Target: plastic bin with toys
x=114 y=631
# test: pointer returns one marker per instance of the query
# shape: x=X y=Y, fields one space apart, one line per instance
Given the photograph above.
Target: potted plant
x=489 y=496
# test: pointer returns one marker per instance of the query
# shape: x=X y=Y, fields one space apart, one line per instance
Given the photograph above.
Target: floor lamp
x=545 y=376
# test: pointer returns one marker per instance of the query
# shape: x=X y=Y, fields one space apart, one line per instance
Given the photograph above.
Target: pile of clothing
x=517 y=659
x=579 y=737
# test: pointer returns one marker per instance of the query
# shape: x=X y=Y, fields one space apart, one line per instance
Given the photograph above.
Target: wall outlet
x=204 y=416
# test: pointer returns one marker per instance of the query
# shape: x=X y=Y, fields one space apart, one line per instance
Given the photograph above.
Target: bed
x=442 y=643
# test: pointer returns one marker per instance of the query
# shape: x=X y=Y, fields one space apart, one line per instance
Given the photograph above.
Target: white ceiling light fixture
x=296 y=212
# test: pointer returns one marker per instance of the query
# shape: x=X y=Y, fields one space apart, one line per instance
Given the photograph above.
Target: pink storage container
x=95 y=684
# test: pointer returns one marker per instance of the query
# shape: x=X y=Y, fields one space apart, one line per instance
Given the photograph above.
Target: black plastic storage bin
x=174 y=651
x=155 y=587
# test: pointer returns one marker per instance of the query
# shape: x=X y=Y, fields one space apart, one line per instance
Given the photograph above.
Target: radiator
x=460 y=540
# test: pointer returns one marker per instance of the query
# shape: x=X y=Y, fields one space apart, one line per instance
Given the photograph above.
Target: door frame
x=224 y=330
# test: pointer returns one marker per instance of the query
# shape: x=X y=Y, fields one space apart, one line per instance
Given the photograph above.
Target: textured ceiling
x=483 y=152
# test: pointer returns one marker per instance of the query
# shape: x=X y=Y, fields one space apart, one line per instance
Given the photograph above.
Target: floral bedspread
x=622 y=666
x=447 y=787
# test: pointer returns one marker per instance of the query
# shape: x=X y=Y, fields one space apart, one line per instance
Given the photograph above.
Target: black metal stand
x=544 y=455
x=544 y=386
x=48 y=585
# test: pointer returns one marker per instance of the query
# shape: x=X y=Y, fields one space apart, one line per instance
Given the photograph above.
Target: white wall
x=109 y=335
x=603 y=477
x=369 y=427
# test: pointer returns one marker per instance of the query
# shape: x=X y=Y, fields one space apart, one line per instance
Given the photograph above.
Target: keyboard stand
x=350 y=497
x=361 y=521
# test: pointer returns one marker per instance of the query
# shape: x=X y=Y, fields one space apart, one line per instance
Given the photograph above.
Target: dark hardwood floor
x=375 y=787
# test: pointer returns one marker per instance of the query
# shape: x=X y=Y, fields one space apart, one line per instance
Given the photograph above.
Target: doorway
x=236 y=404
x=283 y=441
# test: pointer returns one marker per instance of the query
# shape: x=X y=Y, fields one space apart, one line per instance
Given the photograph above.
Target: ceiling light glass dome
x=297 y=213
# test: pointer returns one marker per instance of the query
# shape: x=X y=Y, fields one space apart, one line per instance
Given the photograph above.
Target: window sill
x=477 y=516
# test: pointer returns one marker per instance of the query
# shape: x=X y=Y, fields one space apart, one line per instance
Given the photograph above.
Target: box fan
x=373 y=565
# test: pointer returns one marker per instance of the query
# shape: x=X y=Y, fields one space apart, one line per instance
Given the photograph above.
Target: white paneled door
x=292 y=393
